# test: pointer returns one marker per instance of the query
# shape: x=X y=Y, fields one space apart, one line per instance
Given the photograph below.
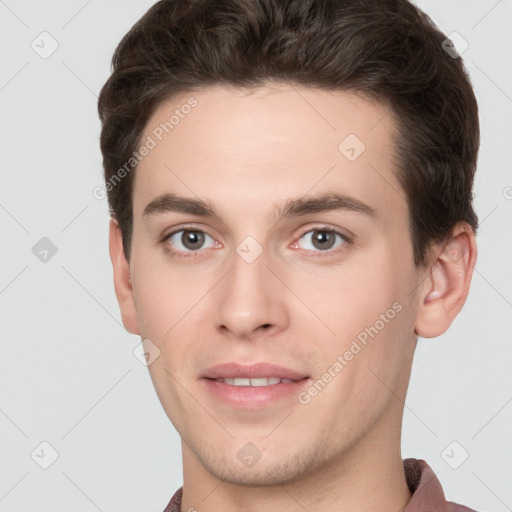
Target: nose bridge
x=250 y=297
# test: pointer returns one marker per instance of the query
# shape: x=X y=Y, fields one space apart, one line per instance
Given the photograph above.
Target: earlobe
x=446 y=287
x=122 y=279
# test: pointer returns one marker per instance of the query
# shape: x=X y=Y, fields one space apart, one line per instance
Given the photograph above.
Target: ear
x=444 y=291
x=122 y=280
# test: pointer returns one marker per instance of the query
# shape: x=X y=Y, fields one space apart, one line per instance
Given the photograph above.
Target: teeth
x=259 y=381
x=263 y=381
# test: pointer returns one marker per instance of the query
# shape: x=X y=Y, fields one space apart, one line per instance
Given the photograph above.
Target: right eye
x=188 y=241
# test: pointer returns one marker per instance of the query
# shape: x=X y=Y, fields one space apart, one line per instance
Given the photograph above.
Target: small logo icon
x=44 y=45
x=249 y=249
x=44 y=250
x=351 y=147
x=455 y=45
x=146 y=352
x=44 y=455
x=455 y=252
x=249 y=455
x=454 y=455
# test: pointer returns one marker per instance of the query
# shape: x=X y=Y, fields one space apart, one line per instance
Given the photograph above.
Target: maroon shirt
x=427 y=492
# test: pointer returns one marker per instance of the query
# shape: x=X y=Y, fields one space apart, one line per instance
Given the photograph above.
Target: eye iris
x=192 y=239
x=323 y=239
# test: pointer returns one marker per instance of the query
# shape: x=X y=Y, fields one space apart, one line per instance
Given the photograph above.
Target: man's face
x=325 y=294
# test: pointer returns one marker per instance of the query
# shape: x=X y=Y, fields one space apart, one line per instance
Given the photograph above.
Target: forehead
x=247 y=148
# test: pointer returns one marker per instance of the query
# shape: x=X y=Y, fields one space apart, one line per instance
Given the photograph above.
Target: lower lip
x=252 y=397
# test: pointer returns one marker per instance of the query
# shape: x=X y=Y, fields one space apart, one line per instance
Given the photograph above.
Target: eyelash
x=347 y=241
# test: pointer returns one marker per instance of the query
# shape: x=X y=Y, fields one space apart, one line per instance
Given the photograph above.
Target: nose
x=250 y=301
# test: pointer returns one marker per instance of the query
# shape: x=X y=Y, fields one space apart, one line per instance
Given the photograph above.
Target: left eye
x=323 y=239
x=188 y=240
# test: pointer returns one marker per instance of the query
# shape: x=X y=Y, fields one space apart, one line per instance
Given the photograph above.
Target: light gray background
x=68 y=375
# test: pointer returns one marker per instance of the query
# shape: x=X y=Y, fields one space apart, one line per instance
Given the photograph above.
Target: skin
x=296 y=305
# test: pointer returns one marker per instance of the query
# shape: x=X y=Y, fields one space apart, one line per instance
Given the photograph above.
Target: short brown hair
x=388 y=50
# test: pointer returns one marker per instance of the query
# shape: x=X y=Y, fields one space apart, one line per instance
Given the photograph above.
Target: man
x=291 y=193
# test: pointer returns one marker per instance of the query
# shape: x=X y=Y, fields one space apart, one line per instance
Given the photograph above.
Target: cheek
x=172 y=308
x=368 y=309
x=352 y=298
x=165 y=310
x=165 y=296
x=381 y=322
x=155 y=311
x=366 y=362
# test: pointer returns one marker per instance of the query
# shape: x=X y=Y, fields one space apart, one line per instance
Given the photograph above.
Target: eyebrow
x=294 y=207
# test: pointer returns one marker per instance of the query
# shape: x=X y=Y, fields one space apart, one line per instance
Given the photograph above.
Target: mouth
x=245 y=373
x=256 y=382
x=252 y=387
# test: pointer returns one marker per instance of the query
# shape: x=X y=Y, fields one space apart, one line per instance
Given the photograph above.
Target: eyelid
x=185 y=227
x=344 y=233
x=347 y=239
x=168 y=248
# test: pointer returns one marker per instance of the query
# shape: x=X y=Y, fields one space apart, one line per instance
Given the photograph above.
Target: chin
x=267 y=472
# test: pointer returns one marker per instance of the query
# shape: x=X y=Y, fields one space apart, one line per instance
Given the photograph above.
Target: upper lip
x=251 y=371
